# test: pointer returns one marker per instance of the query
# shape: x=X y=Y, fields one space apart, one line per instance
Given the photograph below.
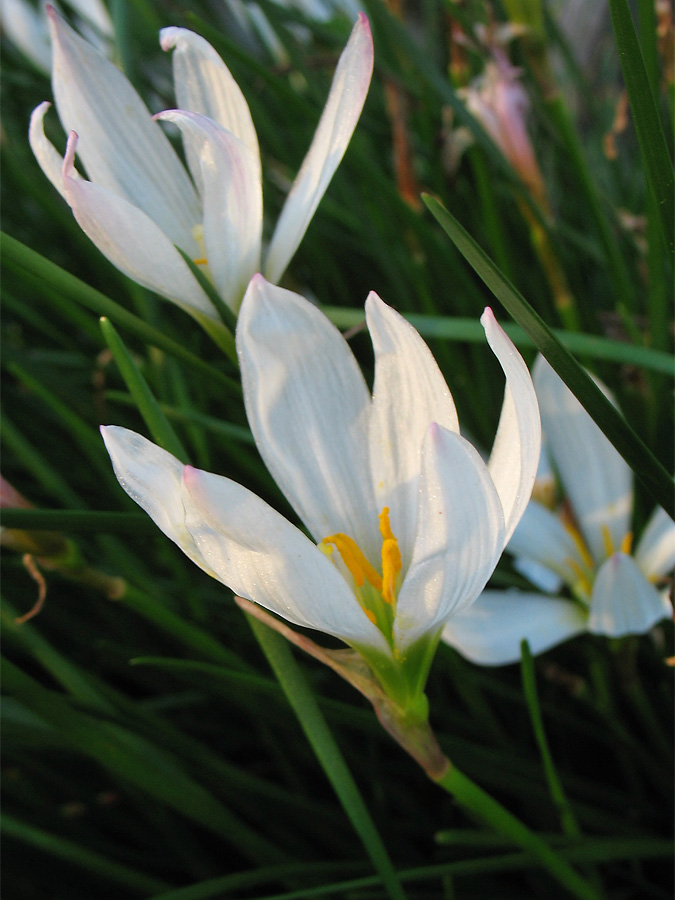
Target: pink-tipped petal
x=120 y=146
x=260 y=556
x=334 y=131
x=232 y=198
x=51 y=162
x=515 y=453
x=131 y=240
x=153 y=479
x=205 y=85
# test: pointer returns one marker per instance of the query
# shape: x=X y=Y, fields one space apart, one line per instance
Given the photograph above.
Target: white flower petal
x=152 y=478
x=308 y=408
x=262 y=557
x=541 y=536
x=132 y=242
x=538 y=575
x=95 y=13
x=205 y=85
x=120 y=146
x=26 y=27
x=460 y=536
x=623 y=601
x=338 y=121
x=50 y=160
x=232 y=198
x=655 y=552
x=515 y=453
x=489 y=632
x=409 y=394
x=595 y=477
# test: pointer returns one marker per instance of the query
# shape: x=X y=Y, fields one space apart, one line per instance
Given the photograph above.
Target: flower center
x=585 y=573
x=375 y=592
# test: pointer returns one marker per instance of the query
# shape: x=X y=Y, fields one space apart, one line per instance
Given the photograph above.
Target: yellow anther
x=627 y=543
x=385 y=526
x=200 y=261
x=357 y=564
x=584 y=581
x=607 y=540
x=579 y=543
x=371 y=615
x=391 y=566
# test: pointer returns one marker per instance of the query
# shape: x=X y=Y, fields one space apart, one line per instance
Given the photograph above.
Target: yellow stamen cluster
x=585 y=572
x=364 y=573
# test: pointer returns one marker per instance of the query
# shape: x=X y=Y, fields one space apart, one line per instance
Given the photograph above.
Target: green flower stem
x=568 y=820
x=484 y=807
x=304 y=705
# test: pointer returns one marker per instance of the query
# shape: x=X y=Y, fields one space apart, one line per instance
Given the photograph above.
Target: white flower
x=140 y=203
x=406 y=520
x=25 y=24
x=585 y=544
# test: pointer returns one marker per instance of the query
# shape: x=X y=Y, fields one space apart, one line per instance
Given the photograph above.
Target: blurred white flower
x=584 y=544
x=141 y=204
x=406 y=520
x=26 y=26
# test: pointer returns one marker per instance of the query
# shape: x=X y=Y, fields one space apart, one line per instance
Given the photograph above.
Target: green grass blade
x=75 y=853
x=75 y=520
x=471 y=331
x=317 y=732
x=653 y=147
x=38 y=270
x=650 y=472
x=158 y=424
x=136 y=760
x=567 y=818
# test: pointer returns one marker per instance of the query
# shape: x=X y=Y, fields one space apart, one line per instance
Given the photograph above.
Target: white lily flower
x=585 y=544
x=140 y=203
x=406 y=520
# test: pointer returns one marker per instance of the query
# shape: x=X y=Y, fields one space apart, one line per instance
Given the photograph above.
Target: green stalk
x=568 y=820
x=477 y=802
x=317 y=732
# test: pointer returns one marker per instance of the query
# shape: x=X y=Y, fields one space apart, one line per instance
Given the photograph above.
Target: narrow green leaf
x=592 y=850
x=567 y=818
x=136 y=760
x=87 y=438
x=158 y=424
x=224 y=311
x=639 y=457
x=75 y=853
x=652 y=140
x=484 y=807
x=38 y=270
x=317 y=732
x=76 y=520
x=471 y=331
